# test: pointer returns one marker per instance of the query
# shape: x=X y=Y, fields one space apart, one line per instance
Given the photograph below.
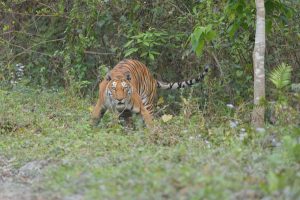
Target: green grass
x=180 y=159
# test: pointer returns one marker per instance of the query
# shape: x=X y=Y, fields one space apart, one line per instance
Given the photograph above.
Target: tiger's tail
x=182 y=84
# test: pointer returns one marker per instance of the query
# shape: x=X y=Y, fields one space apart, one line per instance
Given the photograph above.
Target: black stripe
x=179 y=85
x=158 y=85
x=171 y=85
x=187 y=82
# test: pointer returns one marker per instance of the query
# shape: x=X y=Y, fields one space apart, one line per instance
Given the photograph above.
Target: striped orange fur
x=130 y=88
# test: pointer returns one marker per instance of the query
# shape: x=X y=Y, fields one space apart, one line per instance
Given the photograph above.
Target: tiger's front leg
x=140 y=108
x=99 y=109
x=148 y=118
x=97 y=113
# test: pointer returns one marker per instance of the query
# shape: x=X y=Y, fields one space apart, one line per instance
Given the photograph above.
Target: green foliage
x=292 y=147
x=200 y=36
x=275 y=9
x=281 y=76
x=241 y=16
x=67 y=43
x=146 y=44
x=203 y=149
x=282 y=110
x=181 y=158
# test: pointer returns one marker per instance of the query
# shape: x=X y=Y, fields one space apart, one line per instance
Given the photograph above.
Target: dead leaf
x=166 y=118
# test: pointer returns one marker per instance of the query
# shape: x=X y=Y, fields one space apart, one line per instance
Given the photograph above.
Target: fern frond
x=281 y=76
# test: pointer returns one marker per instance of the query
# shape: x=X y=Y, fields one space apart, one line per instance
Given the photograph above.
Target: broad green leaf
x=199 y=48
x=128 y=43
x=130 y=51
x=146 y=43
x=151 y=56
x=232 y=29
x=211 y=35
x=144 y=53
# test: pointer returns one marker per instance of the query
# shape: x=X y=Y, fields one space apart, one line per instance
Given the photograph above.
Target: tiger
x=130 y=88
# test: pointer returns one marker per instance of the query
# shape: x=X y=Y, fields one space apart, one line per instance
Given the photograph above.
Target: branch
x=36 y=15
x=97 y=53
x=217 y=62
x=182 y=12
x=21 y=32
x=53 y=9
x=26 y=50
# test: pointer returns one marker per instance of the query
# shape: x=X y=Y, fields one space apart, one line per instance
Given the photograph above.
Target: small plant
x=281 y=111
x=146 y=44
x=281 y=76
x=201 y=35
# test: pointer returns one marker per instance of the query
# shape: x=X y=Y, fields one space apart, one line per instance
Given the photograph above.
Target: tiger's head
x=119 y=90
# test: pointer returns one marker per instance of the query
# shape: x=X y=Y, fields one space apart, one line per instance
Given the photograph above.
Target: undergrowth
x=189 y=156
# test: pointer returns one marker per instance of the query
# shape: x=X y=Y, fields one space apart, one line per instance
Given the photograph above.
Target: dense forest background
x=72 y=44
x=53 y=53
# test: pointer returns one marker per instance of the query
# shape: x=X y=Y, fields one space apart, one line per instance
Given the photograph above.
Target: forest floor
x=49 y=151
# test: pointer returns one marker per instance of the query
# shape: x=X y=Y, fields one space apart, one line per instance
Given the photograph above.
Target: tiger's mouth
x=120 y=106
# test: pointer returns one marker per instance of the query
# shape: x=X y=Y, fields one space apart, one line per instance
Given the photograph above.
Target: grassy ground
x=48 y=151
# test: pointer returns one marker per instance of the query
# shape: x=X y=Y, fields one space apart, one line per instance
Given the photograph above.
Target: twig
x=160 y=110
x=182 y=12
x=26 y=50
x=217 y=62
x=97 y=53
x=35 y=15
x=47 y=6
x=9 y=32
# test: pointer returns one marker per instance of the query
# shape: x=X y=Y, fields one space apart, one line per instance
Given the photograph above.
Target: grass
x=179 y=159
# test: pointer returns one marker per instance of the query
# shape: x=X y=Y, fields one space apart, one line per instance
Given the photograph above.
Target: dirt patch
x=16 y=191
x=16 y=184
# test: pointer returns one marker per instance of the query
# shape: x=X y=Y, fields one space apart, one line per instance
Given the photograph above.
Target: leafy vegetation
x=54 y=53
x=281 y=76
x=67 y=44
x=179 y=159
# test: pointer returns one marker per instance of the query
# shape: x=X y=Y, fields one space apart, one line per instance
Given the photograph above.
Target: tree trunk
x=259 y=69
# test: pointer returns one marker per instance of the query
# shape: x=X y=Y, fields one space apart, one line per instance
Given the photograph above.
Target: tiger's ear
x=128 y=76
x=108 y=78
